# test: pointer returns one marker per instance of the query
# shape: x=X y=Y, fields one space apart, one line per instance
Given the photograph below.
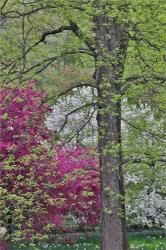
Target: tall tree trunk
x=111 y=46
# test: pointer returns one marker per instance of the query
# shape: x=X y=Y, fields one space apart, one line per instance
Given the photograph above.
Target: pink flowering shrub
x=22 y=115
x=40 y=187
x=29 y=180
x=79 y=168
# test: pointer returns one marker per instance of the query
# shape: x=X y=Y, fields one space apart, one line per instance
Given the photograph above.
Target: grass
x=138 y=241
x=145 y=242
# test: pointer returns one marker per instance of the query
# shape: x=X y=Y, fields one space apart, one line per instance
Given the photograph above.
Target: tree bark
x=111 y=46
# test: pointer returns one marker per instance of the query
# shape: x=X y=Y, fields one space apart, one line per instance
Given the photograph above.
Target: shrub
x=30 y=182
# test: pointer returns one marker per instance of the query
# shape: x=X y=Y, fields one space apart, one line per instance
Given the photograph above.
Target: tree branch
x=75 y=29
x=72 y=112
x=83 y=125
x=48 y=33
x=3 y=5
x=79 y=85
x=153 y=134
x=58 y=31
x=136 y=78
x=141 y=80
x=140 y=160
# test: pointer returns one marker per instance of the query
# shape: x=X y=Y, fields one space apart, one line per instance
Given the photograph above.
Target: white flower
x=3 y=231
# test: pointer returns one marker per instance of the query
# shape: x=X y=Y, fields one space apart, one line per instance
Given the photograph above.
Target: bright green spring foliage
x=57 y=37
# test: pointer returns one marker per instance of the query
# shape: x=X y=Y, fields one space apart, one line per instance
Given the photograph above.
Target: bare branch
x=3 y=4
x=47 y=33
x=91 y=84
x=83 y=125
x=73 y=111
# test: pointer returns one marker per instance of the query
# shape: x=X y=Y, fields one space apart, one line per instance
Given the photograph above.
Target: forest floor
x=138 y=241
